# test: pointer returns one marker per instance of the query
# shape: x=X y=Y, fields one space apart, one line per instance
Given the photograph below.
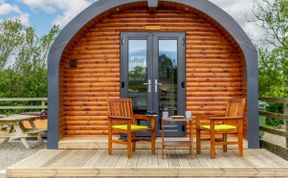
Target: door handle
x=149 y=85
x=183 y=85
x=156 y=85
x=184 y=128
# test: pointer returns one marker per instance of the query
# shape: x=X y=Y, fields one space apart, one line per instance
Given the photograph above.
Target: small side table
x=173 y=144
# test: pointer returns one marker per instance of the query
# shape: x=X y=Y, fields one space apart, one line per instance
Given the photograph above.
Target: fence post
x=286 y=121
x=43 y=103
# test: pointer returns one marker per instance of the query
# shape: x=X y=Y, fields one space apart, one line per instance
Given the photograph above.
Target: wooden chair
x=121 y=120
x=231 y=123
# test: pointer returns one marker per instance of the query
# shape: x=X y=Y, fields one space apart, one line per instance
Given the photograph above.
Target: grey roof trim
x=101 y=6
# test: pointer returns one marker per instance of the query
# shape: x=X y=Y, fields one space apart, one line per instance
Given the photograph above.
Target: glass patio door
x=153 y=75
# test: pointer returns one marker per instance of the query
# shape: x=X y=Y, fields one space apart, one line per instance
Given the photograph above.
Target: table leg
x=163 y=146
x=191 y=140
x=153 y=137
x=31 y=122
x=39 y=138
x=33 y=126
x=19 y=133
x=9 y=131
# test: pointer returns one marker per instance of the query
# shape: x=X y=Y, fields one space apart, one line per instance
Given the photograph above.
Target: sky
x=42 y=14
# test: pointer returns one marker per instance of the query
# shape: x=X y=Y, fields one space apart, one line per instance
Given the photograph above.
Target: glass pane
x=137 y=74
x=168 y=67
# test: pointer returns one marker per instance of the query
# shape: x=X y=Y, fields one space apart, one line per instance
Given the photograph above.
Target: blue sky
x=42 y=14
x=41 y=21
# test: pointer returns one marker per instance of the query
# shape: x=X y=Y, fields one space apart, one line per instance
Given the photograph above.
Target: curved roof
x=97 y=8
x=101 y=6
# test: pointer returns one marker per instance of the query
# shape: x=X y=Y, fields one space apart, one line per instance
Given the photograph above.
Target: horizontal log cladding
x=215 y=67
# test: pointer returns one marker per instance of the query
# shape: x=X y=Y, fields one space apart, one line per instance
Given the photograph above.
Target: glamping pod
x=167 y=55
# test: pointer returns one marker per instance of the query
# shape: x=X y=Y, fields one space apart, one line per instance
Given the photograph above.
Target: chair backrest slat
x=236 y=107
x=120 y=107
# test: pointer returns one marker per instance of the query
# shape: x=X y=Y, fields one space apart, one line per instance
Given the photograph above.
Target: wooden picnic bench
x=11 y=127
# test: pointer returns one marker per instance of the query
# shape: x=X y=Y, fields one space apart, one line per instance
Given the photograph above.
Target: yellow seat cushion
x=220 y=127
x=133 y=127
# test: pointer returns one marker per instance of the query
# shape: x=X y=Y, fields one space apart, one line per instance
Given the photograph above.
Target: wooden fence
x=34 y=104
x=277 y=149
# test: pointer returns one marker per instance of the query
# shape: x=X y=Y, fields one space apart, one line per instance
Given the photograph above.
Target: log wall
x=214 y=63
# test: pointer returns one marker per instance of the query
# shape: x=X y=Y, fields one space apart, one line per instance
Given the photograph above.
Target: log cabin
x=167 y=55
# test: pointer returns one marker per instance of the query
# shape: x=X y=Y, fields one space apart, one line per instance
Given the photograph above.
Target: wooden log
x=274 y=131
x=283 y=117
x=22 y=107
x=274 y=100
x=22 y=99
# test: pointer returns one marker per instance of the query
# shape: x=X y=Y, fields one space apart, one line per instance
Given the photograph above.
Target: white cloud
x=6 y=8
x=69 y=9
x=12 y=11
x=24 y=18
x=240 y=10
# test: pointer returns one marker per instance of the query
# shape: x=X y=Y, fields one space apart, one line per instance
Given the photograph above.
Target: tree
x=23 y=60
x=11 y=37
x=273 y=60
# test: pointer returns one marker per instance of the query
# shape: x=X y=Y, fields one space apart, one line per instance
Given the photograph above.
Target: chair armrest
x=225 y=118
x=203 y=117
x=143 y=117
x=120 y=118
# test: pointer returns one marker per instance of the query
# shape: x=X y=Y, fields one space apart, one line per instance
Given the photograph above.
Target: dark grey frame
x=152 y=43
x=180 y=37
x=208 y=8
x=125 y=36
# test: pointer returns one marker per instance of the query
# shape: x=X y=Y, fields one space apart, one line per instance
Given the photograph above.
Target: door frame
x=153 y=39
x=125 y=37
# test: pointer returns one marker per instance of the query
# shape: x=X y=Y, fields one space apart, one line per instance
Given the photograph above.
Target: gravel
x=15 y=151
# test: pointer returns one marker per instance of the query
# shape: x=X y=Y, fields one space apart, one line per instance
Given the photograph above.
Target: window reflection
x=137 y=74
x=168 y=76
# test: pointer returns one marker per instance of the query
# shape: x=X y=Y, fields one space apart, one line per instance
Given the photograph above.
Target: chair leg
x=129 y=144
x=240 y=139
x=133 y=142
x=198 y=141
x=162 y=138
x=240 y=147
x=110 y=138
x=224 y=140
x=153 y=147
x=212 y=142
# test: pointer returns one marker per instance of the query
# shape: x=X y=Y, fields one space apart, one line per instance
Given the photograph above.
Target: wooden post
x=43 y=103
x=286 y=121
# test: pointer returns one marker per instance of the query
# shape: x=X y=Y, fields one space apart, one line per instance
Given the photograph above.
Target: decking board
x=71 y=163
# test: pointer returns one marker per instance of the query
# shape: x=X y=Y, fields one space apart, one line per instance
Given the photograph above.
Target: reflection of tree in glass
x=138 y=73
x=137 y=76
x=168 y=77
x=166 y=67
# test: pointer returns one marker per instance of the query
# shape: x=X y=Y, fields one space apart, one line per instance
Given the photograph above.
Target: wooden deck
x=178 y=163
